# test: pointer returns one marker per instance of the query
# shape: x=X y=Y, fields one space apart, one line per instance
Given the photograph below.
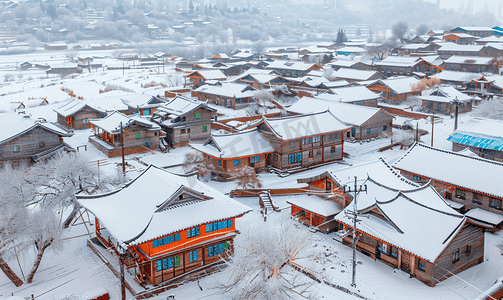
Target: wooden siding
x=80 y=120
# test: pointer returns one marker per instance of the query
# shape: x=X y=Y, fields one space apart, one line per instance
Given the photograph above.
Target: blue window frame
x=217 y=226
x=166 y=240
x=168 y=263
x=368 y=131
x=218 y=249
x=193 y=232
x=219 y=163
x=392 y=95
x=294 y=158
x=417 y=178
x=192 y=256
x=255 y=159
x=236 y=162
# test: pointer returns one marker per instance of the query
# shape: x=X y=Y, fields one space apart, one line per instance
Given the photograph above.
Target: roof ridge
x=464 y=156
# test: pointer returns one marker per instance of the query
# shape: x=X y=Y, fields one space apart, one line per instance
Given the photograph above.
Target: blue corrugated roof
x=477 y=141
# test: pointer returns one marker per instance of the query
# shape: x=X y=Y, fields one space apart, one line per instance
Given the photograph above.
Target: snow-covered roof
x=472 y=60
x=400 y=85
x=463 y=48
x=243 y=55
x=142 y=101
x=471 y=173
x=294 y=127
x=149 y=207
x=336 y=84
x=354 y=74
x=209 y=74
x=472 y=28
x=414 y=46
x=349 y=94
x=72 y=107
x=180 y=105
x=457 y=76
x=228 y=89
x=347 y=113
x=290 y=65
x=315 y=204
x=313 y=81
x=480 y=133
x=112 y=122
x=461 y=35
x=445 y=94
x=399 y=61
x=490 y=39
x=484 y=216
x=351 y=50
x=15 y=124
x=233 y=145
x=401 y=213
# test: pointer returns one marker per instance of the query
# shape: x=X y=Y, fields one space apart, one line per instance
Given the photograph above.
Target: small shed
x=76 y=114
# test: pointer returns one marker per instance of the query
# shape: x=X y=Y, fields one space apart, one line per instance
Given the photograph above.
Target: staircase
x=266 y=202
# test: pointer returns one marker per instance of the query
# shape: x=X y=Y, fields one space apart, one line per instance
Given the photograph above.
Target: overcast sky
x=477 y=5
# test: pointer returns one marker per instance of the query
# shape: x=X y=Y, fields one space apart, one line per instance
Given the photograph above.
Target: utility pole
x=122 y=148
x=121 y=263
x=417 y=131
x=354 y=216
x=432 y=122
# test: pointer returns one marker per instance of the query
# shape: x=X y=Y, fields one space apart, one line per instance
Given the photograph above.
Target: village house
x=226 y=94
x=351 y=64
x=395 y=88
x=449 y=49
x=459 y=38
x=443 y=100
x=351 y=51
x=180 y=225
x=76 y=114
x=470 y=64
x=137 y=134
x=142 y=104
x=221 y=57
x=352 y=75
x=390 y=210
x=292 y=68
x=304 y=140
x=476 y=31
x=486 y=86
x=227 y=153
x=358 y=95
x=456 y=78
x=489 y=39
x=484 y=137
x=405 y=65
x=408 y=49
x=200 y=77
x=467 y=181
x=367 y=122
x=184 y=120
x=25 y=140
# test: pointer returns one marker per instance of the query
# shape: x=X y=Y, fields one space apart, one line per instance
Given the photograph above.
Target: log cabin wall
x=30 y=143
x=80 y=120
x=193 y=128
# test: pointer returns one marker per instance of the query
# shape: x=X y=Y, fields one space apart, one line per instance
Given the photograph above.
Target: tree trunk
x=9 y=273
x=36 y=264
x=69 y=219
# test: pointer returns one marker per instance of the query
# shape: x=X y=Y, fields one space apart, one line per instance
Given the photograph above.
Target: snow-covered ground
x=77 y=270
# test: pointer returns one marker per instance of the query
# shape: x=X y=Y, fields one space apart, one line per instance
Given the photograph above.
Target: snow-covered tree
x=266 y=261
x=400 y=30
x=492 y=109
x=246 y=178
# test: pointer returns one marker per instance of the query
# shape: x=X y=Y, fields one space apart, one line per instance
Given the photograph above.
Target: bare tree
x=399 y=30
x=258 y=47
x=246 y=178
x=196 y=162
x=264 y=263
x=383 y=49
x=422 y=29
x=425 y=84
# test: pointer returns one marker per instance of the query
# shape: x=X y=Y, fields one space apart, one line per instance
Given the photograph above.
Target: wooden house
x=482 y=136
x=390 y=210
x=352 y=64
x=351 y=51
x=292 y=68
x=456 y=78
x=466 y=180
x=459 y=38
x=449 y=49
x=441 y=100
x=489 y=39
x=24 y=140
x=138 y=134
x=226 y=94
x=143 y=104
x=471 y=64
x=405 y=66
x=222 y=57
x=358 y=95
x=76 y=114
x=32 y=102
x=304 y=140
x=165 y=225
x=352 y=75
x=485 y=86
x=200 y=77
x=63 y=71
x=184 y=120
x=230 y=152
x=476 y=31
x=263 y=80
x=366 y=122
x=395 y=88
x=314 y=211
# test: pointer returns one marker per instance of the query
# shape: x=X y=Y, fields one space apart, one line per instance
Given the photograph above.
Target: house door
x=328 y=186
x=405 y=262
x=448 y=195
x=353 y=132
